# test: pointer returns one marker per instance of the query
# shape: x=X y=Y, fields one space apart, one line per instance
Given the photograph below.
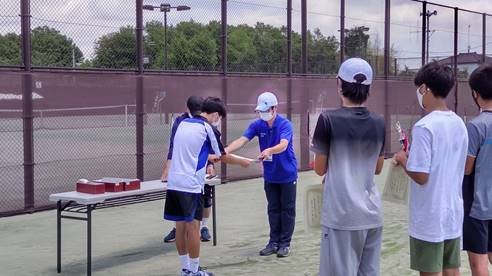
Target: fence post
x=424 y=31
x=455 y=63
x=342 y=30
x=387 y=38
x=139 y=100
x=304 y=101
x=289 y=60
x=304 y=47
x=484 y=37
x=223 y=130
x=27 y=106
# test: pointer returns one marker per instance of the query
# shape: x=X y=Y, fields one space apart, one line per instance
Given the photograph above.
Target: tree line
x=193 y=46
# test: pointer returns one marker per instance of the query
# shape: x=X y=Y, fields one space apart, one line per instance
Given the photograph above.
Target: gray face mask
x=266 y=116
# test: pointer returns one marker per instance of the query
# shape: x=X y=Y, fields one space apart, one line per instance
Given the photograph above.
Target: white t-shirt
x=439 y=148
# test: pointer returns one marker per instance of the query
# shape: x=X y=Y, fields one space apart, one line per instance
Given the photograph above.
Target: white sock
x=204 y=222
x=185 y=261
x=194 y=264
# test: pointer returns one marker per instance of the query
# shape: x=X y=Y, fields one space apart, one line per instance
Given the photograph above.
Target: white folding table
x=79 y=206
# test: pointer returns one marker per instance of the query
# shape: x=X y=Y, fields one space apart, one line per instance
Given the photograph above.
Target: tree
x=241 y=48
x=50 y=48
x=117 y=50
x=322 y=53
x=356 y=42
x=193 y=48
x=10 y=49
x=271 y=48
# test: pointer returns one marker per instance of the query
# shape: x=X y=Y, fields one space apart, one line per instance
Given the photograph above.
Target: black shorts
x=183 y=206
x=477 y=234
x=207 y=196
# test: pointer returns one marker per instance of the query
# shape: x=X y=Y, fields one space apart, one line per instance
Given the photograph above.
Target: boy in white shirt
x=435 y=164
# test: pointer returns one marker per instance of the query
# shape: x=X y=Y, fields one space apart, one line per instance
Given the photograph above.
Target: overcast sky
x=86 y=20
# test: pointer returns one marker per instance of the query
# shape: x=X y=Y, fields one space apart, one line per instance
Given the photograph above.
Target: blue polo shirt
x=283 y=167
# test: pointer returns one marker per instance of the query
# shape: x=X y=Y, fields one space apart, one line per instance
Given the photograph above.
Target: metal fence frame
x=26 y=70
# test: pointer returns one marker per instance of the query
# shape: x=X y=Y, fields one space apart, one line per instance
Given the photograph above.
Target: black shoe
x=171 y=237
x=269 y=250
x=205 y=235
x=283 y=252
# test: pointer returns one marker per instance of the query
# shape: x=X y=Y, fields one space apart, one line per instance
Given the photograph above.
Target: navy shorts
x=183 y=206
x=207 y=196
x=477 y=234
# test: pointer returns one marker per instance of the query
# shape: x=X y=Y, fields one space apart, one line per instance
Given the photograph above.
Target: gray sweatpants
x=350 y=253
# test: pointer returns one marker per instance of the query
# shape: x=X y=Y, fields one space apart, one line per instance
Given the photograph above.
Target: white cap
x=265 y=101
x=353 y=67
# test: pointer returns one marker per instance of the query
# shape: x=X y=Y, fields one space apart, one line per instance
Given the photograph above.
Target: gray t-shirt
x=480 y=146
x=353 y=140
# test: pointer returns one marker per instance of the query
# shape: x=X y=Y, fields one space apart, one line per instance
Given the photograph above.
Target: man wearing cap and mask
x=275 y=137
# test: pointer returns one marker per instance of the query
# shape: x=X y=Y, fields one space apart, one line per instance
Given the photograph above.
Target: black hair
x=437 y=77
x=194 y=104
x=481 y=81
x=213 y=104
x=356 y=92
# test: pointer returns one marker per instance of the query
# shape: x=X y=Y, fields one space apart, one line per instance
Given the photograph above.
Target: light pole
x=165 y=8
x=428 y=14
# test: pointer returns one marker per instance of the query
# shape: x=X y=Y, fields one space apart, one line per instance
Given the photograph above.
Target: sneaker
x=185 y=272
x=171 y=237
x=205 y=235
x=283 y=252
x=269 y=250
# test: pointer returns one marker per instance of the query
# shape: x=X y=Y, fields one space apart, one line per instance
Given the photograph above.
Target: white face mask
x=216 y=123
x=266 y=116
x=420 y=98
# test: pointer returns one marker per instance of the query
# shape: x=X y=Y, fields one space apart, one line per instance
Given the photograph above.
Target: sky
x=86 y=20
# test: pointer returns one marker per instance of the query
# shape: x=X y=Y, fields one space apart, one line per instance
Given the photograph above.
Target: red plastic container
x=113 y=185
x=131 y=184
x=91 y=188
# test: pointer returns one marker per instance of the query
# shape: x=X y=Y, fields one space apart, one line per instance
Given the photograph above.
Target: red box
x=131 y=184
x=113 y=185
x=91 y=188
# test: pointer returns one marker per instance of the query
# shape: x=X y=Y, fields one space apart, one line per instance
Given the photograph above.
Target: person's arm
x=220 y=153
x=165 y=170
x=420 y=178
x=470 y=164
x=279 y=148
x=417 y=162
x=320 y=164
x=321 y=145
x=236 y=144
x=379 y=165
x=474 y=142
x=248 y=134
x=286 y=134
x=235 y=160
x=167 y=164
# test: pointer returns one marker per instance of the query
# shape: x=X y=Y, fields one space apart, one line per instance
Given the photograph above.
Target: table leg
x=89 y=240
x=58 y=236
x=214 y=215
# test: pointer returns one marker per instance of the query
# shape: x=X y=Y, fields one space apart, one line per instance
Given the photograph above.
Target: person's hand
x=210 y=170
x=401 y=158
x=213 y=158
x=266 y=154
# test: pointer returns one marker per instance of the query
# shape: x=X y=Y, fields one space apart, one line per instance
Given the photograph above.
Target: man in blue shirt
x=275 y=137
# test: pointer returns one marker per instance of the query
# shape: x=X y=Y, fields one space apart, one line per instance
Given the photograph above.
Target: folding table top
x=145 y=187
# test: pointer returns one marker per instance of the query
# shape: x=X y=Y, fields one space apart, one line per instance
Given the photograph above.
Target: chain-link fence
x=97 y=89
